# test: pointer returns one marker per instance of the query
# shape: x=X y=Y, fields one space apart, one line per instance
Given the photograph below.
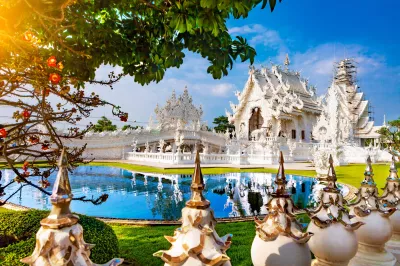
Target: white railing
x=185 y=158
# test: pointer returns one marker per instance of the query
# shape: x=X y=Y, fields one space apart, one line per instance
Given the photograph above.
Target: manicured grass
x=354 y=174
x=216 y=170
x=138 y=243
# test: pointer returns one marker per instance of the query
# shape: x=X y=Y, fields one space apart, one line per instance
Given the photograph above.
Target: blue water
x=154 y=196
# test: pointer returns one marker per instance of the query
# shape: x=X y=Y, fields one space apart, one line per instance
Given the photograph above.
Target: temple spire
x=280 y=180
x=60 y=215
x=197 y=199
x=331 y=178
x=384 y=121
x=368 y=173
x=62 y=187
x=287 y=62
x=393 y=169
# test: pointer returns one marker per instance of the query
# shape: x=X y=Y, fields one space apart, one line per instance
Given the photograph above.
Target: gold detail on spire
x=60 y=215
x=197 y=199
x=280 y=179
x=368 y=173
x=393 y=169
x=331 y=178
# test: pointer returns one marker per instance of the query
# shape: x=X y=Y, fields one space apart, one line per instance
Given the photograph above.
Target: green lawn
x=138 y=243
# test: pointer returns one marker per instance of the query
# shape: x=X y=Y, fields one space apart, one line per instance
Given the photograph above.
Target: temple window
x=293 y=134
x=303 y=135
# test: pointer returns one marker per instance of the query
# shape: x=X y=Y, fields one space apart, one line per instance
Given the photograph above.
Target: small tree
x=223 y=124
x=126 y=127
x=390 y=135
x=104 y=124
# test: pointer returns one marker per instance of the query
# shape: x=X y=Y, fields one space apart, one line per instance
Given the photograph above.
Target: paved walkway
x=291 y=166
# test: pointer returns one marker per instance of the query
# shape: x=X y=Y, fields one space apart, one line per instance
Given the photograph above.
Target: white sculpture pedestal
x=371 y=241
x=393 y=245
x=282 y=251
x=372 y=255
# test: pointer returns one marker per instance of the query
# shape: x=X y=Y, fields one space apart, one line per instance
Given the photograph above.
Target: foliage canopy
x=144 y=37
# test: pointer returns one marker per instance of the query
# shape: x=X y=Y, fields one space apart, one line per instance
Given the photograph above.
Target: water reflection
x=158 y=196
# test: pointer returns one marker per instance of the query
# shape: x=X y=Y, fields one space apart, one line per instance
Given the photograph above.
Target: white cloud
x=246 y=29
x=223 y=90
x=260 y=35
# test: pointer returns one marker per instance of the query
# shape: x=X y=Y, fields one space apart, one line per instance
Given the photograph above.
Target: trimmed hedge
x=23 y=226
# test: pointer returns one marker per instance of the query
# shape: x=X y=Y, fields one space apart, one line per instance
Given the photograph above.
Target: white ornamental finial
x=287 y=62
x=384 y=121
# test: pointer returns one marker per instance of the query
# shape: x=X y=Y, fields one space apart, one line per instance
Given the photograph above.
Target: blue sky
x=314 y=33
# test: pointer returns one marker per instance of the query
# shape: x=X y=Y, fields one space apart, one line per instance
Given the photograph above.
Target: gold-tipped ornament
x=59 y=240
x=196 y=243
x=377 y=230
x=391 y=198
x=334 y=241
x=280 y=239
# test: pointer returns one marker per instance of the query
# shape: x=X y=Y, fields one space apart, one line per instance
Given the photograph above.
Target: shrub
x=22 y=226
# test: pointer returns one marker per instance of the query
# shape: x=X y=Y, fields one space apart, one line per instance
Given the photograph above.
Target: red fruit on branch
x=52 y=61
x=25 y=166
x=33 y=139
x=3 y=133
x=124 y=117
x=26 y=114
x=54 y=78
x=45 y=147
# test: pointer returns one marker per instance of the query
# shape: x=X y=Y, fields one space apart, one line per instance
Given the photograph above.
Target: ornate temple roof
x=178 y=109
x=285 y=91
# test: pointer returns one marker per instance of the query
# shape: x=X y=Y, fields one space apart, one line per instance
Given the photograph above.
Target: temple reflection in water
x=140 y=195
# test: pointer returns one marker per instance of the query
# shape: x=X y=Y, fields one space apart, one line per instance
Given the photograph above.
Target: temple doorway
x=256 y=120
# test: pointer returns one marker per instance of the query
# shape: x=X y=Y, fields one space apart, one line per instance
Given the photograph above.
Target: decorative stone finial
x=330 y=223
x=368 y=173
x=59 y=240
x=279 y=236
x=60 y=215
x=197 y=199
x=196 y=242
x=331 y=178
x=393 y=169
x=369 y=210
x=280 y=179
x=391 y=198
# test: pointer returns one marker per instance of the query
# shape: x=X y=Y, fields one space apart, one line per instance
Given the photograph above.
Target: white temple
x=345 y=117
x=275 y=102
x=277 y=110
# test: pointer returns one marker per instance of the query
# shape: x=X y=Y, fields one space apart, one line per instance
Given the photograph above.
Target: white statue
x=59 y=240
x=368 y=209
x=161 y=144
x=196 y=242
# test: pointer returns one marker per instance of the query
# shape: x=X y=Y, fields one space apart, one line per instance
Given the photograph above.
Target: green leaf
x=272 y=4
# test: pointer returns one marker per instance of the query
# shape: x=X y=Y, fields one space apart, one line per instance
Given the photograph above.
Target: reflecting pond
x=161 y=196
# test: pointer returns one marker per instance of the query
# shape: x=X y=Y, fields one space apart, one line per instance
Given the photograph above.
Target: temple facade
x=274 y=103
